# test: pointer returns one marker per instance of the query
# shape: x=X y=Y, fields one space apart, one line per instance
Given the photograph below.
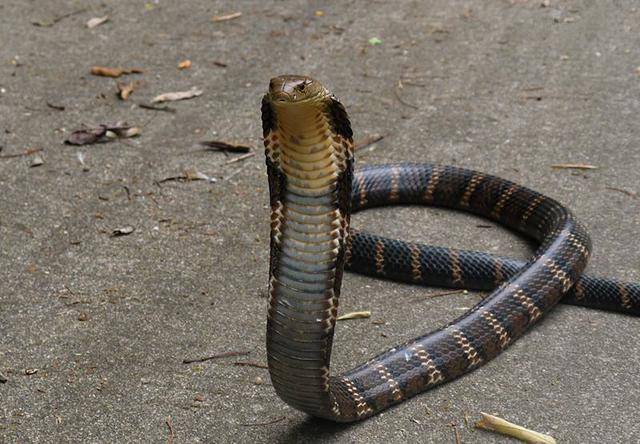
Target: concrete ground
x=94 y=327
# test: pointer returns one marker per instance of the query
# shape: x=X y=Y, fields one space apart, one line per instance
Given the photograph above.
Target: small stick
x=575 y=166
x=404 y=102
x=442 y=293
x=622 y=190
x=355 y=315
x=157 y=108
x=170 y=425
x=240 y=158
x=367 y=141
x=28 y=152
x=273 y=421
x=495 y=424
x=217 y=356
x=250 y=364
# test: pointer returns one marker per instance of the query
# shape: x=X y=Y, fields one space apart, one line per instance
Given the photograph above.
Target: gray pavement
x=103 y=323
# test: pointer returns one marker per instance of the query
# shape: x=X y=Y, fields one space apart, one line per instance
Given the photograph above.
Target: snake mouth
x=295 y=89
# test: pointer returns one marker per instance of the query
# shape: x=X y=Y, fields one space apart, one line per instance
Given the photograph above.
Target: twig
x=457 y=432
x=170 y=425
x=217 y=356
x=273 y=421
x=575 y=166
x=367 y=141
x=401 y=100
x=250 y=364
x=54 y=20
x=225 y=17
x=622 y=190
x=157 y=108
x=355 y=315
x=220 y=145
x=28 y=152
x=499 y=425
x=240 y=158
x=442 y=293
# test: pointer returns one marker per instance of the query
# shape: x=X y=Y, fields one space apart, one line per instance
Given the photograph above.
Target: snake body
x=313 y=189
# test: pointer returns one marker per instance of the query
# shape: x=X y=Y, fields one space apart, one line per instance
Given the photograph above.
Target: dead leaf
x=126 y=89
x=225 y=17
x=86 y=136
x=495 y=424
x=181 y=95
x=102 y=133
x=219 y=145
x=575 y=166
x=185 y=64
x=104 y=71
x=97 y=21
x=355 y=315
x=123 y=231
x=189 y=175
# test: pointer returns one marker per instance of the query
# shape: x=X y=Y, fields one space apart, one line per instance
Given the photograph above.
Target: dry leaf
x=102 y=133
x=185 y=64
x=575 y=166
x=104 y=71
x=355 y=315
x=97 y=21
x=126 y=89
x=223 y=18
x=495 y=424
x=173 y=96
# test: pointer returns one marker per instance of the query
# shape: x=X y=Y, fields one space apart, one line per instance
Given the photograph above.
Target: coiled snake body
x=313 y=190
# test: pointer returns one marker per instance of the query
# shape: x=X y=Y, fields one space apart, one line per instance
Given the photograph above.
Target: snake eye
x=302 y=86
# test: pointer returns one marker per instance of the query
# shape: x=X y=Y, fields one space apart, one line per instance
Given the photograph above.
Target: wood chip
x=499 y=425
x=104 y=71
x=97 y=21
x=36 y=161
x=575 y=166
x=355 y=315
x=181 y=95
x=30 y=371
x=225 y=17
x=185 y=64
x=123 y=231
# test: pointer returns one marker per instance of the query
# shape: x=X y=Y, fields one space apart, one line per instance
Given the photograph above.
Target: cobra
x=313 y=190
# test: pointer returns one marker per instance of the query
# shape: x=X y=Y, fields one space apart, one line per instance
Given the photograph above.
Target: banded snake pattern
x=314 y=189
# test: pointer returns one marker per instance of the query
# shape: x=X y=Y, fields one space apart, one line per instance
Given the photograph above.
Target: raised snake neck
x=309 y=151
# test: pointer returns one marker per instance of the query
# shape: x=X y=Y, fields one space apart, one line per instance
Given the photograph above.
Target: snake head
x=290 y=89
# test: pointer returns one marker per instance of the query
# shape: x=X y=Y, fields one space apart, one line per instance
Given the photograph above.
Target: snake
x=313 y=190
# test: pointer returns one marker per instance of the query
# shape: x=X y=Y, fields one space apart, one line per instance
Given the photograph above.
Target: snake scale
x=314 y=189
